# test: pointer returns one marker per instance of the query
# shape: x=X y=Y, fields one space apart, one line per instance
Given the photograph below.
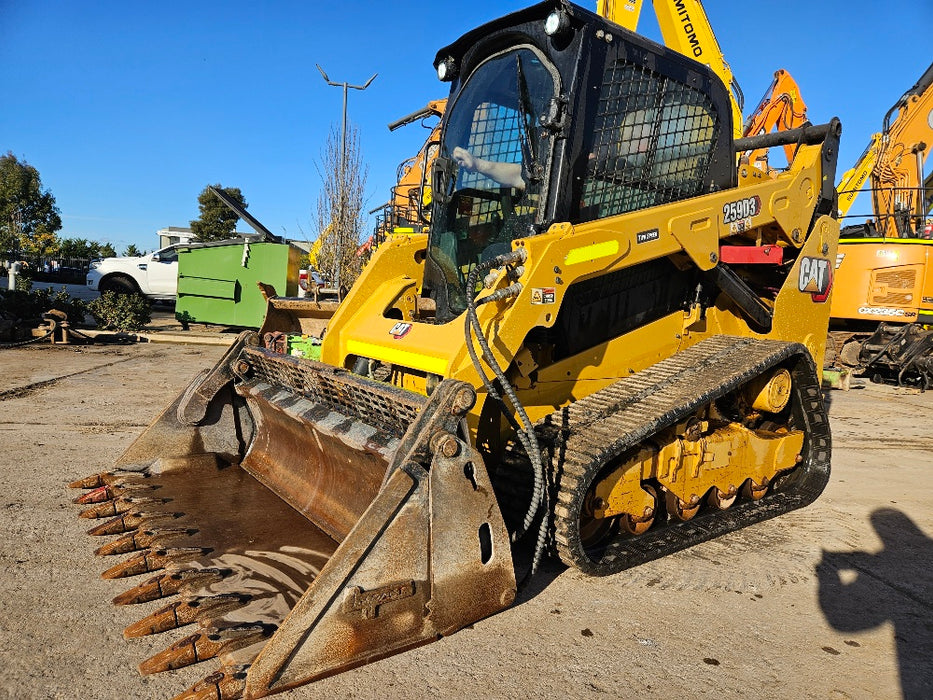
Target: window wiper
x=526 y=117
x=443 y=179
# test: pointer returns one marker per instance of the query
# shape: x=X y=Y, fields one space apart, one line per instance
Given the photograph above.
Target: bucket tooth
x=138 y=540
x=120 y=505
x=226 y=683
x=154 y=560
x=98 y=495
x=94 y=481
x=109 y=492
x=183 y=612
x=170 y=583
x=204 y=645
x=127 y=522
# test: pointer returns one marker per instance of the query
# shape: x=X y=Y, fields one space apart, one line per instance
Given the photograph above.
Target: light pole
x=343 y=165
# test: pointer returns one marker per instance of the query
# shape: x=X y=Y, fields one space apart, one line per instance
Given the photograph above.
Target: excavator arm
x=854 y=178
x=781 y=108
x=893 y=163
x=897 y=179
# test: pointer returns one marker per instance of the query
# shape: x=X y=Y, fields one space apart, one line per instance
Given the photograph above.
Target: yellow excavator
x=883 y=304
x=304 y=320
x=781 y=108
x=603 y=347
x=409 y=207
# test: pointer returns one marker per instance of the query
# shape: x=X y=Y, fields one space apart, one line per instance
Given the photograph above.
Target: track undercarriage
x=725 y=434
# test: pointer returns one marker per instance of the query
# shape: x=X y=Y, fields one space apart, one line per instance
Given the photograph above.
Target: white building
x=174 y=234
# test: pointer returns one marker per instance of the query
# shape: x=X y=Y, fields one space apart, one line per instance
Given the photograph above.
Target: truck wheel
x=118 y=285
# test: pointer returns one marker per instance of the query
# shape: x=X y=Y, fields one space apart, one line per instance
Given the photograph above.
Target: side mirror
x=156 y=257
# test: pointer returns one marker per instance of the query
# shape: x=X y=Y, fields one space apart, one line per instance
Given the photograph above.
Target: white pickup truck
x=154 y=275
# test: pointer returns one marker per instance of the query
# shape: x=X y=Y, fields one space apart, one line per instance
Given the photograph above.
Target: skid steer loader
x=605 y=347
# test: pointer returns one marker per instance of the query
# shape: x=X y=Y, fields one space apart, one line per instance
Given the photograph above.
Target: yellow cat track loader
x=604 y=349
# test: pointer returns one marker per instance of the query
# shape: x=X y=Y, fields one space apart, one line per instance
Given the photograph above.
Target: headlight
x=447 y=70
x=95 y=264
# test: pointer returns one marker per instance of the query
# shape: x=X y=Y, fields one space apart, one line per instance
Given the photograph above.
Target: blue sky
x=129 y=109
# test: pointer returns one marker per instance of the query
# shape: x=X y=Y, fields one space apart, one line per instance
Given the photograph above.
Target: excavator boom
x=884 y=279
x=893 y=163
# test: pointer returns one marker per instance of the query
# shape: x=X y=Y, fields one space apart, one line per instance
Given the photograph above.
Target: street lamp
x=343 y=163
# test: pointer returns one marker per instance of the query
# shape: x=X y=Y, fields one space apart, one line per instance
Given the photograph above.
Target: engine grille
x=894 y=287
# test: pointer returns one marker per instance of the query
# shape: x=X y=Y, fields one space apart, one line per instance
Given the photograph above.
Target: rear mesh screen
x=652 y=142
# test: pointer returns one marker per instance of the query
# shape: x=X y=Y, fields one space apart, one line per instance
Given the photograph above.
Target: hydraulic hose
x=525 y=432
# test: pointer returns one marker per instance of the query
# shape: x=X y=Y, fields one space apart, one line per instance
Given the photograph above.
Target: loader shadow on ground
x=859 y=591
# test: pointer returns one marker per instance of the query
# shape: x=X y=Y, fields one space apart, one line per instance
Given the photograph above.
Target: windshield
x=489 y=176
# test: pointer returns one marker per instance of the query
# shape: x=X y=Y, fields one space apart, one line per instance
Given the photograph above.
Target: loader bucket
x=303 y=520
x=302 y=316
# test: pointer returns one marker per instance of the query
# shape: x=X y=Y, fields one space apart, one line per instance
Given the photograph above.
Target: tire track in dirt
x=29 y=389
x=773 y=554
x=860 y=444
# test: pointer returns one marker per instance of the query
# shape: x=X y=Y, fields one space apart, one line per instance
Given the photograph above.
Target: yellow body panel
x=368 y=324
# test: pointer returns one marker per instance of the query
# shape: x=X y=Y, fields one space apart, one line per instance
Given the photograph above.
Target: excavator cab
x=652 y=360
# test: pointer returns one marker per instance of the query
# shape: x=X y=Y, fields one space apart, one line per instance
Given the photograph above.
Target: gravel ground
x=834 y=601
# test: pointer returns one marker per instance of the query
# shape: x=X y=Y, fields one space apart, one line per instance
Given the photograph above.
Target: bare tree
x=339 y=212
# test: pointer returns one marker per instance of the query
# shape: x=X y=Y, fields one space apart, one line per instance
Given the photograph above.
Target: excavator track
x=584 y=437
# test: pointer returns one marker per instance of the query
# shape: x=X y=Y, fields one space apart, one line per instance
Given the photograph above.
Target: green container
x=217 y=281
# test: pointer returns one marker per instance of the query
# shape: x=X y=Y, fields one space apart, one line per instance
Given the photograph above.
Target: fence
x=53 y=269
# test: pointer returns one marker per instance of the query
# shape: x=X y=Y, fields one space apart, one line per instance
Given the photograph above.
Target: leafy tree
x=217 y=221
x=132 y=251
x=29 y=219
x=79 y=248
x=340 y=209
x=76 y=248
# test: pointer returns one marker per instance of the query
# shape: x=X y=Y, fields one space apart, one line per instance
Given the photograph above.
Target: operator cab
x=557 y=115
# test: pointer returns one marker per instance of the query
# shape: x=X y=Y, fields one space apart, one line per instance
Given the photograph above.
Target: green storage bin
x=217 y=281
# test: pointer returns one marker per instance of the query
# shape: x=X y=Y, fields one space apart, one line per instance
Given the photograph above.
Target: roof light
x=557 y=23
x=447 y=70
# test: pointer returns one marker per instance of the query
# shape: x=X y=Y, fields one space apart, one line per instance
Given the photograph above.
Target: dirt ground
x=835 y=601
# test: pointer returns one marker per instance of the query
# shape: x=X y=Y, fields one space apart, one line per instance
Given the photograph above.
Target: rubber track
x=586 y=435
